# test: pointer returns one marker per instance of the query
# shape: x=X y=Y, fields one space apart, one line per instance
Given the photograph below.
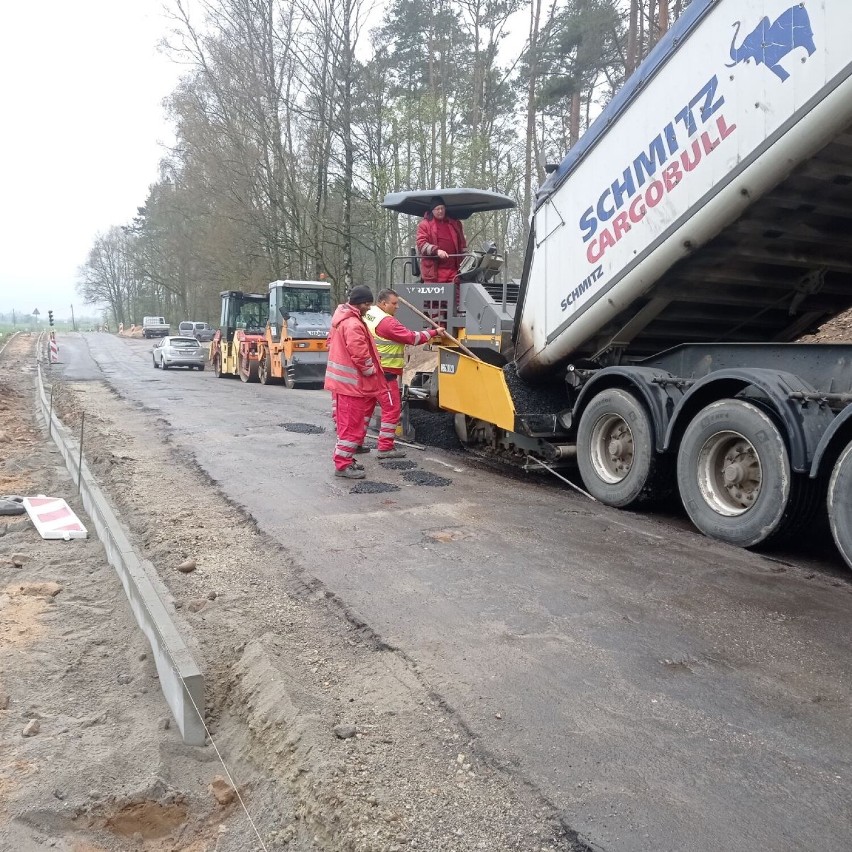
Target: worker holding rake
x=391 y=338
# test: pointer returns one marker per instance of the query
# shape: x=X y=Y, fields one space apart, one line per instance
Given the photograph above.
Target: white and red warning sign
x=54 y=349
x=53 y=518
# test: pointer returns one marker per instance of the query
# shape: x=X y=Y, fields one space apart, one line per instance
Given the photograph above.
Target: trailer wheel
x=840 y=503
x=733 y=471
x=615 y=450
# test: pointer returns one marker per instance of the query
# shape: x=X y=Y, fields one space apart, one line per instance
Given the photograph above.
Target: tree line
x=296 y=117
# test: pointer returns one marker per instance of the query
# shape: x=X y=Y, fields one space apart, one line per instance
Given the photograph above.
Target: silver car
x=178 y=352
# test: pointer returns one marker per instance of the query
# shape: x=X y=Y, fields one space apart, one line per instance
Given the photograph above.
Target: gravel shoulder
x=88 y=759
x=334 y=738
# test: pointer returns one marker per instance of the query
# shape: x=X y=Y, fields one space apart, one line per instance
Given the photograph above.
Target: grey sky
x=81 y=102
x=83 y=133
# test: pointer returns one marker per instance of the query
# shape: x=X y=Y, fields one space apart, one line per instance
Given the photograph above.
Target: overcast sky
x=81 y=92
x=83 y=133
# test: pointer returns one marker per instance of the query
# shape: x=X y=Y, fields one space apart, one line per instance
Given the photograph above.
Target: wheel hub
x=729 y=473
x=734 y=474
x=612 y=448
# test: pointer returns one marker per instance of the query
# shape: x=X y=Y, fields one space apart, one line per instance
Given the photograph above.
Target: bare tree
x=107 y=276
x=290 y=131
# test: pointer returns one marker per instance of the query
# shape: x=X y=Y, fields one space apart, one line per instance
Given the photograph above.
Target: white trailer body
x=738 y=100
x=698 y=228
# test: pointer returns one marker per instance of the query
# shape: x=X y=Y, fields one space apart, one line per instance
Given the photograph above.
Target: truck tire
x=838 y=503
x=615 y=450
x=734 y=475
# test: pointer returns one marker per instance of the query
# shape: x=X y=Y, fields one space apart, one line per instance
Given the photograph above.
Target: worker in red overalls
x=391 y=338
x=354 y=377
x=440 y=243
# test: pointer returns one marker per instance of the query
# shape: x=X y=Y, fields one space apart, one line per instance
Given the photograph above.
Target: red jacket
x=431 y=268
x=353 y=362
x=390 y=328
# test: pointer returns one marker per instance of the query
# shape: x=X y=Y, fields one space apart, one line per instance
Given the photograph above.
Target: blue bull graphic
x=769 y=43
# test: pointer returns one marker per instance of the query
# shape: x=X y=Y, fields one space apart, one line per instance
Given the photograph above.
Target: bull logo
x=769 y=43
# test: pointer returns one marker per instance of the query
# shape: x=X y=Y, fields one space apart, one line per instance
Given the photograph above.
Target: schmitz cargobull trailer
x=699 y=226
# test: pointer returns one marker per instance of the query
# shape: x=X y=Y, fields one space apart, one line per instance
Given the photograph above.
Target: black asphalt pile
x=303 y=428
x=435 y=428
x=423 y=477
x=367 y=487
x=547 y=398
x=402 y=464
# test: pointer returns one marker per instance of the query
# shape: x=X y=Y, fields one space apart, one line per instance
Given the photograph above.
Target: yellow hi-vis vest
x=392 y=354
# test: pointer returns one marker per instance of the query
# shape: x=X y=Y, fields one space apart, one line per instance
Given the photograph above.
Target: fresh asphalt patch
x=424 y=477
x=368 y=487
x=303 y=428
x=402 y=464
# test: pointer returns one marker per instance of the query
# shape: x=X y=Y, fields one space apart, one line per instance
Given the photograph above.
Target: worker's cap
x=436 y=201
x=360 y=295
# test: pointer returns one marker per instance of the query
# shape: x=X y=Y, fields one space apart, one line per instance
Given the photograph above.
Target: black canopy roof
x=461 y=202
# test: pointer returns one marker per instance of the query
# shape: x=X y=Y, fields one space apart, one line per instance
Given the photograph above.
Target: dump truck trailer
x=697 y=229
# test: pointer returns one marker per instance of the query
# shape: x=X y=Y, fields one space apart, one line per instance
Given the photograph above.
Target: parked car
x=199 y=330
x=178 y=352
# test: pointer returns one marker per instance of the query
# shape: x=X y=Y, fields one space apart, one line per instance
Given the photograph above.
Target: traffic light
x=50 y=318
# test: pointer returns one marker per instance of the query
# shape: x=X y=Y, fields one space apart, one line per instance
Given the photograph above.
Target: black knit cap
x=360 y=295
x=436 y=201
